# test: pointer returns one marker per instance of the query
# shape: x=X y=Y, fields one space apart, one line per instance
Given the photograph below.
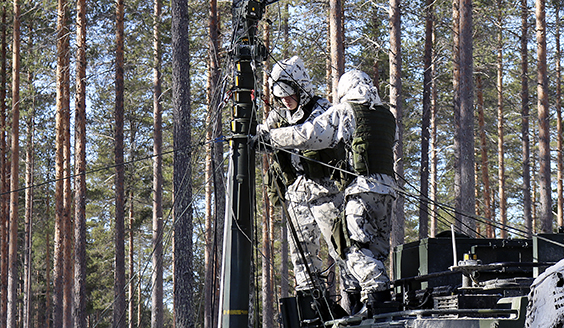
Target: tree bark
x=79 y=299
x=456 y=109
x=560 y=189
x=336 y=37
x=214 y=174
x=486 y=196
x=527 y=206
x=500 y=127
x=183 y=283
x=157 y=291
x=68 y=279
x=396 y=106
x=28 y=231
x=425 y=122
x=4 y=180
x=119 y=273
x=13 y=278
x=131 y=260
x=545 y=210
x=467 y=162
x=284 y=275
x=433 y=145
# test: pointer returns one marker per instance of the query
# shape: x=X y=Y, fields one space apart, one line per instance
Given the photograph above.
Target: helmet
x=356 y=86
x=289 y=77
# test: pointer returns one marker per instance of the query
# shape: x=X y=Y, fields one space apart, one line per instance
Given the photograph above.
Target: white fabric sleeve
x=325 y=131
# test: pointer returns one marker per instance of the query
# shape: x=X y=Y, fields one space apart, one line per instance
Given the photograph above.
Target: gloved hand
x=261 y=142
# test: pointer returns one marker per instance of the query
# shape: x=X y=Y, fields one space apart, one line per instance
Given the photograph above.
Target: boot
x=355 y=305
x=381 y=302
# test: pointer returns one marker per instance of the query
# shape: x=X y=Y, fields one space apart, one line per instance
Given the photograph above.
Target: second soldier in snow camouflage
x=312 y=198
x=368 y=129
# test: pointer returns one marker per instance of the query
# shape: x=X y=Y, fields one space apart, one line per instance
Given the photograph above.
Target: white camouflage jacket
x=336 y=124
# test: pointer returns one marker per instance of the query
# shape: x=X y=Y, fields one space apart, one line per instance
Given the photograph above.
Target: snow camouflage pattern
x=292 y=72
x=546 y=299
x=368 y=200
x=313 y=205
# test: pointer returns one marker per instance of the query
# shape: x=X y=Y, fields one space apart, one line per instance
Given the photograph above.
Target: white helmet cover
x=289 y=77
x=356 y=86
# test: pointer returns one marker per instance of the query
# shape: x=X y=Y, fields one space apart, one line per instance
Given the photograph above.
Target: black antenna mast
x=246 y=54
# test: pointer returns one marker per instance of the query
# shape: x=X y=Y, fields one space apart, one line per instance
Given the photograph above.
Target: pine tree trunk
x=560 y=190
x=28 y=231
x=4 y=177
x=434 y=160
x=284 y=289
x=456 y=105
x=13 y=277
x=48 y=303
x=500 y=126
x=157 y=291
x=119 y=273
x=268 y=257
x=425 y=122
x=131 y=259
x=544 y=122
x=60 y=222
x=336 y=37
x=527 y=206
x=181 y=103
x=79 y=297
x=396 y=106
x=214 y=173
x=467 y=161
x=485 y=159
x=67 y=192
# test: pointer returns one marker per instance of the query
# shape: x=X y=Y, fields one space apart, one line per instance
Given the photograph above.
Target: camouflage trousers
x=313 y=208
x=368 y=216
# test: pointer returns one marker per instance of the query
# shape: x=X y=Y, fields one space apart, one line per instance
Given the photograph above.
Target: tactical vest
x=283 y=173
x=373 y=140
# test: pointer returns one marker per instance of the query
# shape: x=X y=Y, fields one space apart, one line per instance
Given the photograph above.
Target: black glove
x=261 y=142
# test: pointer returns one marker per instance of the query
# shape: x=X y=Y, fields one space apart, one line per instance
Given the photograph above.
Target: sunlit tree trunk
x=29 y=194
x=500 y=126
x=79 y=297
x=434 y=151
x=157 y=290
x=214 y=172
x=284 y=289
x=336 y=37
x=13 y=277
x=545 y=209
x=119 y=273
x=486 y=196
x=267 y=258
x=560 y=190
x=456 y=105
x=48 y=303
x=3 y=176
x=131 y=260
x=68 y=279
x=184 y=308
x=396 y=106
x=425 y=123
x=467 y=162
x=527 y=206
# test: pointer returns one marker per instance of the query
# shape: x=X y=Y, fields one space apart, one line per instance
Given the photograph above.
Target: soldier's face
x=290 y=102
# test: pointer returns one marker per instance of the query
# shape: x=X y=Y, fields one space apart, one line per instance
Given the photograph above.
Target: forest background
x=126 y=49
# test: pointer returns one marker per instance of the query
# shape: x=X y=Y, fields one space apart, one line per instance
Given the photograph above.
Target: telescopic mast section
x=246 y=54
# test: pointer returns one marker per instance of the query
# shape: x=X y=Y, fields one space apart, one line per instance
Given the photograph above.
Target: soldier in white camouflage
x=311 y=197
x=367 y=128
